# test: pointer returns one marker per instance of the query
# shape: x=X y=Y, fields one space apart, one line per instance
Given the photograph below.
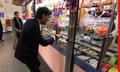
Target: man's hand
x=58 y=35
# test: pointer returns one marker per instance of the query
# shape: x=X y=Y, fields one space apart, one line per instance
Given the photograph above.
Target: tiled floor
x=7 y=61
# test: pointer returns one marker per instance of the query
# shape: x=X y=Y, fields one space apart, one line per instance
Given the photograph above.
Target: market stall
x=88 y=42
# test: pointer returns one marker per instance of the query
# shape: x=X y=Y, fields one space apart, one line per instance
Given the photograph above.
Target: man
x=27 y=47
x=17 y=24
x=99 y=12
x=1 y=31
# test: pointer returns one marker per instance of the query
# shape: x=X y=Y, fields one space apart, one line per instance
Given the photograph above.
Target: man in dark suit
x=1 y=31
x=17 y=24
x=99 y=12
x=27 y=47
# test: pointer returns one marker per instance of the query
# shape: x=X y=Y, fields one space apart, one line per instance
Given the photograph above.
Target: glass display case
x=110 y=62
x=61 y=21
x=93 y=27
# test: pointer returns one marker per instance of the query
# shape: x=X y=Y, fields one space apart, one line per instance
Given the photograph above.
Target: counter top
x=54 y=56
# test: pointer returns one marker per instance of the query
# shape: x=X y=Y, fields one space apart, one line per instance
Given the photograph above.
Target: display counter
x=54 y=57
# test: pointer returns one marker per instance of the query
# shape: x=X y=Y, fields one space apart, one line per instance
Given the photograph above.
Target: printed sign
x=1 y=14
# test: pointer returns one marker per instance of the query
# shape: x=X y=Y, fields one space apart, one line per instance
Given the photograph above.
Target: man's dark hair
x=42 y=11
x=15 y=12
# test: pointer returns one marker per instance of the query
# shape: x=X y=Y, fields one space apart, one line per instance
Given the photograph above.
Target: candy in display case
x=111 y=60
x=61 y=23
x=47 y=33
x=113 y=69
x=95 y=26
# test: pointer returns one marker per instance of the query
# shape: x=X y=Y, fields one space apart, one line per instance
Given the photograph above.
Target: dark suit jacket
x=1 y=28
x=27 y=47
x=17 y=26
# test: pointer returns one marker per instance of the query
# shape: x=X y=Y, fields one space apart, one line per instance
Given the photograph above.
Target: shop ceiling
x=19 y=2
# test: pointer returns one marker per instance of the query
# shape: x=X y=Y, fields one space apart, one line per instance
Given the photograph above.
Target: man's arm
x=14 y=27
x=1 y=25
x=41 y=40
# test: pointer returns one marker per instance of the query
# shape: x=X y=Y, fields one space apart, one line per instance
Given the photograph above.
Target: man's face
x=17 y=15
x=44 y=19
x=98 y=10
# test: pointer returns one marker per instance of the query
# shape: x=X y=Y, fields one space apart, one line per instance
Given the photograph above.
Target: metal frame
x=71 y=35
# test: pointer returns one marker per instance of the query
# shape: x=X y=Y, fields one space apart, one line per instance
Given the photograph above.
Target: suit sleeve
x=21 y=22
x=1 y=28
x=14 y=26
